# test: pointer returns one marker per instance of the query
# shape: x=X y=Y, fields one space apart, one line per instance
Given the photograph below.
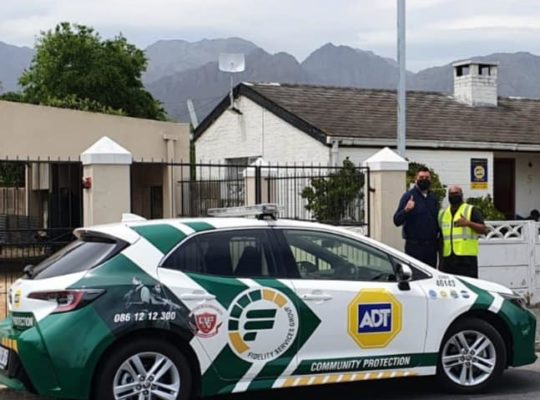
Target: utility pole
x=402 y=88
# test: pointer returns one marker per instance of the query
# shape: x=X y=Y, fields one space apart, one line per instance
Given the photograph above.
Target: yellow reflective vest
x=461 y=241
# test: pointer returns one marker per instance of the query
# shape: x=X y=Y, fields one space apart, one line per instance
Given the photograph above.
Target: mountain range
x=179 y=70
x=14 y=61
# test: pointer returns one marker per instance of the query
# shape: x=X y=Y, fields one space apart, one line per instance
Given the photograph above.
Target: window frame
x=271 y=257
x=294 y=273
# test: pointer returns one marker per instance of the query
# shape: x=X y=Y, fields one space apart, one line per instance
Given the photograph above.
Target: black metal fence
x=40 y=205
x=41 y=201
x=336 y=195
x=7 y=277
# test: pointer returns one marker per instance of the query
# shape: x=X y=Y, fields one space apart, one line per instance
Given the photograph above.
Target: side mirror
x=404 y=276
x=28 y=270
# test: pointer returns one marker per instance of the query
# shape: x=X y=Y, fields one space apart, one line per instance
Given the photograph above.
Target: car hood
x=486 y=285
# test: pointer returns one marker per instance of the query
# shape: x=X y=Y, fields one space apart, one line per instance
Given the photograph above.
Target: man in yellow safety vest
x=460 y=225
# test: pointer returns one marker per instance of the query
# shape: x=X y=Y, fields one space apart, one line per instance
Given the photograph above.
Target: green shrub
x=487 y=207
x=331 y=197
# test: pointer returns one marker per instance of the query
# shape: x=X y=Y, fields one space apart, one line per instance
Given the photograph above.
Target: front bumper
x=522 y=324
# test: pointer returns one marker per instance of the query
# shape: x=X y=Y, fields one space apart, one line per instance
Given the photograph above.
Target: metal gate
x=335 y=195
x=40 y=205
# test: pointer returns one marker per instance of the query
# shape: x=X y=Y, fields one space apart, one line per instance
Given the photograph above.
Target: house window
x=235 y=167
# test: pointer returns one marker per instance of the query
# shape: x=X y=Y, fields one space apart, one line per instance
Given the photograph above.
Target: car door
x=367 y=321
x=239 y=313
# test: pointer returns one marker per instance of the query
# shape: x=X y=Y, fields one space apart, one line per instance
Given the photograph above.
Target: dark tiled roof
x=371 y=114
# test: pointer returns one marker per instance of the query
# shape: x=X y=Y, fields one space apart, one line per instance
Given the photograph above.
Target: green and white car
x=171 y=309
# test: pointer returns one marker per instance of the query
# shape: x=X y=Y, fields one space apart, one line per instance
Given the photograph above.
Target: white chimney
x=475 y=83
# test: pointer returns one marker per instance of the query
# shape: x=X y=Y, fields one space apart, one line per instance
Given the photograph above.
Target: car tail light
x=68 y=300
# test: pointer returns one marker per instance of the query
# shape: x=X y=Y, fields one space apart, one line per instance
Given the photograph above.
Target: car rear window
x=80 y=255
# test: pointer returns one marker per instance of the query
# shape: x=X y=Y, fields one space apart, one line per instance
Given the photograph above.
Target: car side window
x=238 y=253
x=322 y=255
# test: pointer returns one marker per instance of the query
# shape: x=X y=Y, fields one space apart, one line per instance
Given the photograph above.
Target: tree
x=12 y=96
x=330 y=198
x=11 y=174
x=74 y=67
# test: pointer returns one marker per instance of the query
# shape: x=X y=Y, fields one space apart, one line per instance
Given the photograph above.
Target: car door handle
x=316 y=297
x=197 y=296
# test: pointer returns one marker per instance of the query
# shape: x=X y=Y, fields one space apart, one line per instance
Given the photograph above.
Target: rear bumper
x=15 y=376
x=11 y=383
x=57 y=356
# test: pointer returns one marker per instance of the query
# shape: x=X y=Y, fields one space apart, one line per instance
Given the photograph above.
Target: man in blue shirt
x=418 y=212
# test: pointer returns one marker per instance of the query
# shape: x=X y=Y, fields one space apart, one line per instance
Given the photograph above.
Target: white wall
x=453 y=167
x=510 y=255
x=39 y=132
x=258 y=132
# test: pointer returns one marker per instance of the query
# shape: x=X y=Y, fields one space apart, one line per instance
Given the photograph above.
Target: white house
x=473 y=138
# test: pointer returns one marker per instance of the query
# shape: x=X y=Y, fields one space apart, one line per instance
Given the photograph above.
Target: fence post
x=532 y=239
x=387 y=174
x=255 y=191
x=258 y=184
x=106 y=175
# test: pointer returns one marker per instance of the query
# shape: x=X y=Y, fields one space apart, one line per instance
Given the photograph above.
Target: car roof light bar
x=261 y=211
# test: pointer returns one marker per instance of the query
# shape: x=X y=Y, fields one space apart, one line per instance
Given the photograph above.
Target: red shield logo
x=205 y=320
x=207 y=324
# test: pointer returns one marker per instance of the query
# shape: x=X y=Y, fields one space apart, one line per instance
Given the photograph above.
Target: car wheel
x=472 y=356
x=144 y=369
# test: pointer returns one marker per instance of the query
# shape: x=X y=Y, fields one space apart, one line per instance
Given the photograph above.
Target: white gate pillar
x=106 y=182
x=387 y=172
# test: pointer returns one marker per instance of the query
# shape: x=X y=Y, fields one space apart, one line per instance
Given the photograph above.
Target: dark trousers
x=460 y=265
x=423 y=251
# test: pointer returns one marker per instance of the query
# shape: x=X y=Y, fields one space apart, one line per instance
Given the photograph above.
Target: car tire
x=471 y=357
x=134 y=361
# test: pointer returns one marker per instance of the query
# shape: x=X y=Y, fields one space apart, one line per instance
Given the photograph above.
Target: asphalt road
x=516 y=384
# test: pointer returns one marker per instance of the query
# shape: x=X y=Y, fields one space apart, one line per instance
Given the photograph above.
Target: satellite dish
x=232 y=62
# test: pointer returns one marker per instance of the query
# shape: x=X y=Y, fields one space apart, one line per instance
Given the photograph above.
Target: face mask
x=423 y=184
x=455 y=199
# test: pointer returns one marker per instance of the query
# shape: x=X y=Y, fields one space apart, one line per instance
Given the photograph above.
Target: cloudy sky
x=438 y=31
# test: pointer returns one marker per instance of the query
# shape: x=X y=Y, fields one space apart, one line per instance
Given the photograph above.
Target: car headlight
x=516 y=299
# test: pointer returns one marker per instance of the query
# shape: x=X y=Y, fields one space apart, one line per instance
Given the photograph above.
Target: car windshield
x=80 y=255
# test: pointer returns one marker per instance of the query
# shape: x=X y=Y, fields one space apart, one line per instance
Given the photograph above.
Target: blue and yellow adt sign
x=479 y=173
x=374 y=318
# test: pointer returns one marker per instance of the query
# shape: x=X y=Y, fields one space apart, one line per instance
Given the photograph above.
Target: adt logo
x=374 y=318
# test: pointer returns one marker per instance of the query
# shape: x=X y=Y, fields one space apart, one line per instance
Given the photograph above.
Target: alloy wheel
x=147 y=376
x=469 y=358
